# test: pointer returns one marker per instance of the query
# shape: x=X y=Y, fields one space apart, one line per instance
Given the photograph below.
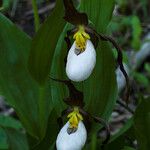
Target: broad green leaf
x=100 y=89
x=10 y=134
x=15 y=83
x=58 y=91
x=31 y=102
x=142 y=124
x=44 y=43
x=6 y=121
x=3 y=140
x=9 y=122
x=51 y=134
x=99 y=12
x=16 y=139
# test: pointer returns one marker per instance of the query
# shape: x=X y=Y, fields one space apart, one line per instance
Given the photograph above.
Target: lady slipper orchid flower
x=73 y=135
x=81 y=58
x=79 y=70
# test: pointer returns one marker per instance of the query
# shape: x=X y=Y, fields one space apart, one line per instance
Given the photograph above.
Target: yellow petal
x=86 y=35
x=80 y=38
x=74 y=118
x=80 y=116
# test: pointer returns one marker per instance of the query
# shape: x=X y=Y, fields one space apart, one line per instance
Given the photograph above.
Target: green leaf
x=123 y=130
x=99 y=12
x=118 y=140
x=14 y=79
x=44 y=43
x=58 y=90
x=11 y=135
x=16 y=139
x=51 y=133
x=100 y=89
x=141 y=78
x=136 y=32
x=142 y=124
x=31 y=102
x=3 y=140
x=147 y=67
x=6 y=121
x=5 y=5
x=128 y=148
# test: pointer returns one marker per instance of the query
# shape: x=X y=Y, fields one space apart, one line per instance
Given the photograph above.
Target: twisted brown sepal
x=119 y=60
x=73 y=16
x=75 y=96
x=63 y=114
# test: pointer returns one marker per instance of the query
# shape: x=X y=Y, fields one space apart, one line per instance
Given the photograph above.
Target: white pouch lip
x=79 y=67
x=74 y=141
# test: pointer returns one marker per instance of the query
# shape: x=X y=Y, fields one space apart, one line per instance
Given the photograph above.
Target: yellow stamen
x=80 y=38
x=74 y=118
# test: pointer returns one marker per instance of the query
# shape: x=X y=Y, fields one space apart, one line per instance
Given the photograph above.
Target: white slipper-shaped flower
x=81 y=58
x=73 y=135
x=79 y=67
x=74 y=141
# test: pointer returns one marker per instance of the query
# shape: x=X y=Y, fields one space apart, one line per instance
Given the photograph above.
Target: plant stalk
x=36 y=15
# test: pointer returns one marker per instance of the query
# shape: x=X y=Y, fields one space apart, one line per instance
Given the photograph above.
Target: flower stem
x=36 y=15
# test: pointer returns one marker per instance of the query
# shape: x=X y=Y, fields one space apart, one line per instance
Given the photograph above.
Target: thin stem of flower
x=94 y=142
x=36 y=15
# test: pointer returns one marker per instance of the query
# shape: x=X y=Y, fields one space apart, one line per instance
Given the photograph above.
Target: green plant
x=26 y=64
